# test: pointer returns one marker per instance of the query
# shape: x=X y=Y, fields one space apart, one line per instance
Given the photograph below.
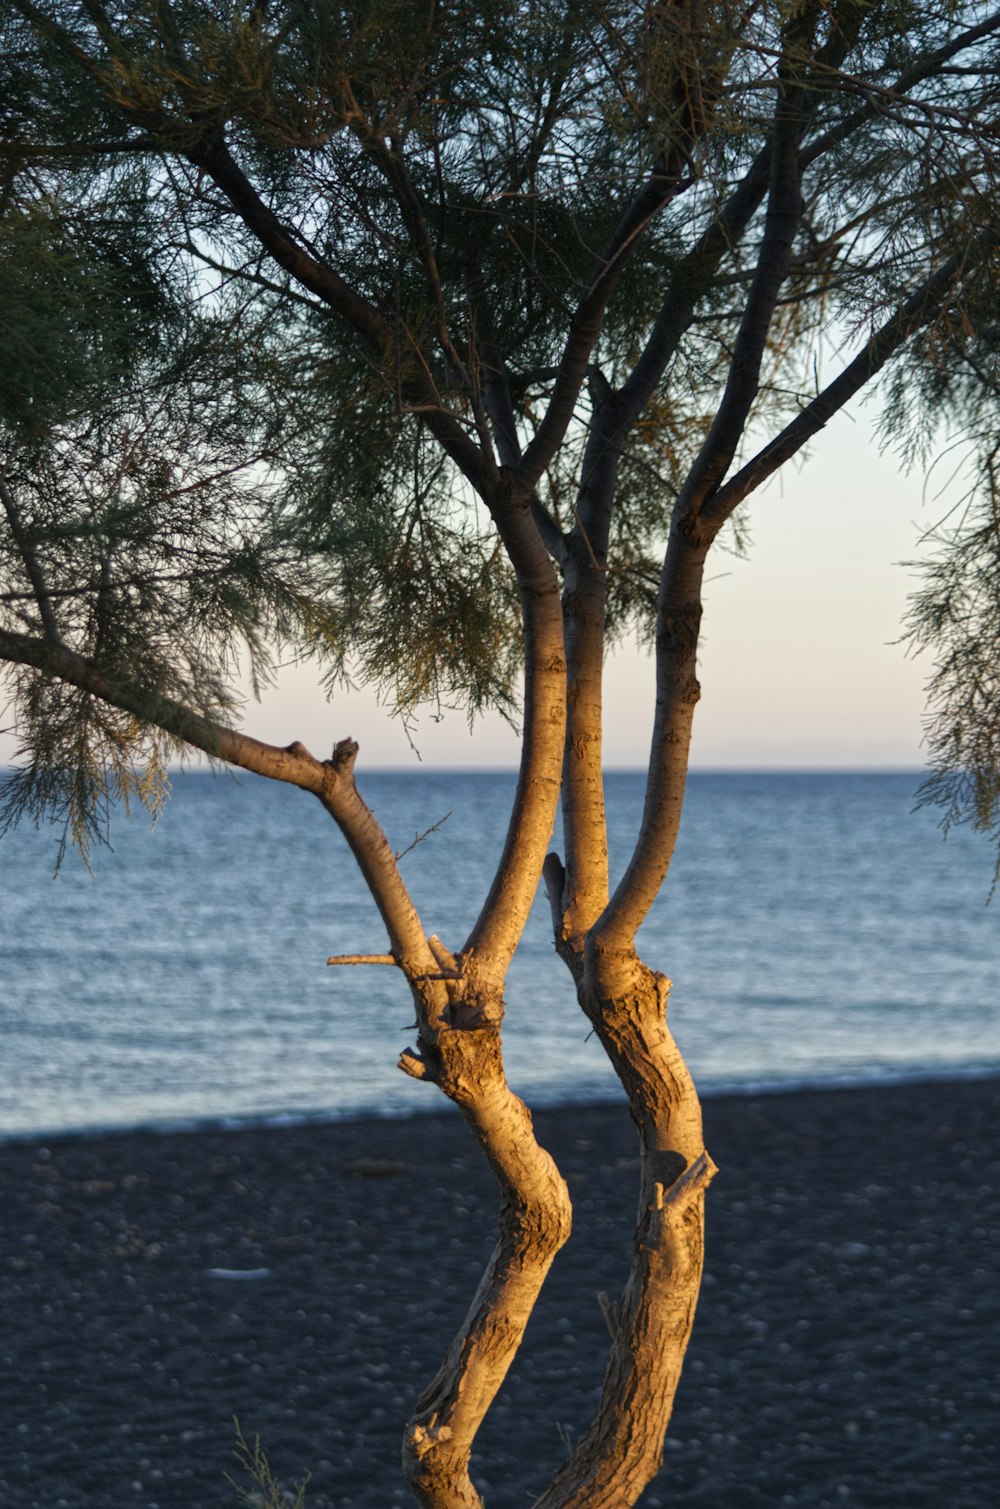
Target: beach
x=307 y=1280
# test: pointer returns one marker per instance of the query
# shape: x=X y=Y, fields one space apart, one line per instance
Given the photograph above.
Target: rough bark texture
x=535 y=1218
x=650 y=1324
x=677 y=694
x=459 y=1016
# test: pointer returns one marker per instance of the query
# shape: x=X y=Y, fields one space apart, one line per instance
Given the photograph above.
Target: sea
x=818 y=929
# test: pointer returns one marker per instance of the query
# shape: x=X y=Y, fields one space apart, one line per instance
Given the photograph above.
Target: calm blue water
x=817 y=931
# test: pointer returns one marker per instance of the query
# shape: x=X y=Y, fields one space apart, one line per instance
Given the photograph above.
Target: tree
x=444 y=343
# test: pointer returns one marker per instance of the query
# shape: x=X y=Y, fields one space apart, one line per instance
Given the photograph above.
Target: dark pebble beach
x=307 y=1279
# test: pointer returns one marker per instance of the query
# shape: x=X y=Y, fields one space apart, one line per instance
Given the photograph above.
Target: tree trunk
x=534 y=1222
x=650 y=1325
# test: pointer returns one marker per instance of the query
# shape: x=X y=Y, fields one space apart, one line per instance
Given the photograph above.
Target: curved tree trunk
x=535 y=1218
x=460 y=1051
x=650 y=1325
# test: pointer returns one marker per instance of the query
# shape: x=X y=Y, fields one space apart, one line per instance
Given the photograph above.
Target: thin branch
x=877 y=99
x=363 y=959
x=500 y=409
x=245 y=275
x=26 y=550
x=28 y=151
x=696 y=273
x=393 y=165
x=332 y=781
x=419 y=837
x=585 y=326
x=321 y=279
x=211 y=156
x=784 y=211
x=293 y=764
x=500 y=406
x=216 y=161
x=919 y=310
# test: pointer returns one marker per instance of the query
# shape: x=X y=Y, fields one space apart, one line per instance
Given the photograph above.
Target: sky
x=800 y=667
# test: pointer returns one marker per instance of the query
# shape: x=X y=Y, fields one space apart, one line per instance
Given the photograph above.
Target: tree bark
x=535 y=1219
x=585 y=889
x=650 y=1325
x=460 y=1050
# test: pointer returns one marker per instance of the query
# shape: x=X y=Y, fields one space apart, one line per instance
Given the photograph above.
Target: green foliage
x=84 y=758
x=206 y=460
x=956 y=615
x=266 y=1491
x=82 y=300
x=140 y=527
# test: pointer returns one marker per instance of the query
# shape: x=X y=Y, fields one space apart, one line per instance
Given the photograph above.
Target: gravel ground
x=847 y=1350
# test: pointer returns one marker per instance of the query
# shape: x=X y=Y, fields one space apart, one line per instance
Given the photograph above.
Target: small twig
x=612 y=1311
x=586 y=540
x=419 y=837
x=695 y=1179
x=444 y=956
x=362 y=959
x=414 y=1065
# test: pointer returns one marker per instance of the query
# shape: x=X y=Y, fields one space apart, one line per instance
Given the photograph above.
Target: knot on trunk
x=420 y=1439
x=345 y=752
x=465 y=1060
x=693 y=1181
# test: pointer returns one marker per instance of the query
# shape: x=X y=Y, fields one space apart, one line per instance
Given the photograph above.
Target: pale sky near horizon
x=798 y=669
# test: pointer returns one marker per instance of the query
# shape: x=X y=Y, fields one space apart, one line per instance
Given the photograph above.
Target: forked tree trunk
x=650 y=1324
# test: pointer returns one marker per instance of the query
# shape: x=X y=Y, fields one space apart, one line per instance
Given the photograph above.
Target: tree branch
x=784 y=210
x=32 y=567
x=588 y=318
x=363 y=959
x=876 y=98
x=919 y=310
x=501 y=921
x=696 y=272
x=27 y=151
x=535 y=1218
x=215 y=160
x=500 y=409
x=332 y=781
x=693 y=277
x=670 y=177
x=393 y=165
x=679 y=612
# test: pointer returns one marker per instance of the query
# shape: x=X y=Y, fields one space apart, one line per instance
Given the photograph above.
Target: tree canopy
x=335 y=270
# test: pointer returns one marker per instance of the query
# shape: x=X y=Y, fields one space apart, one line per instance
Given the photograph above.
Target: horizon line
x=195 y=768
x=427 y=767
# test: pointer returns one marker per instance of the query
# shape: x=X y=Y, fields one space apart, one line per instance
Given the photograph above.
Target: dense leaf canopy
x=296 y=287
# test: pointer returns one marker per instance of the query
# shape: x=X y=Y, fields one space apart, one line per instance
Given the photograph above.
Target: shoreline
x=253 y=1121
x=846 y=1352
